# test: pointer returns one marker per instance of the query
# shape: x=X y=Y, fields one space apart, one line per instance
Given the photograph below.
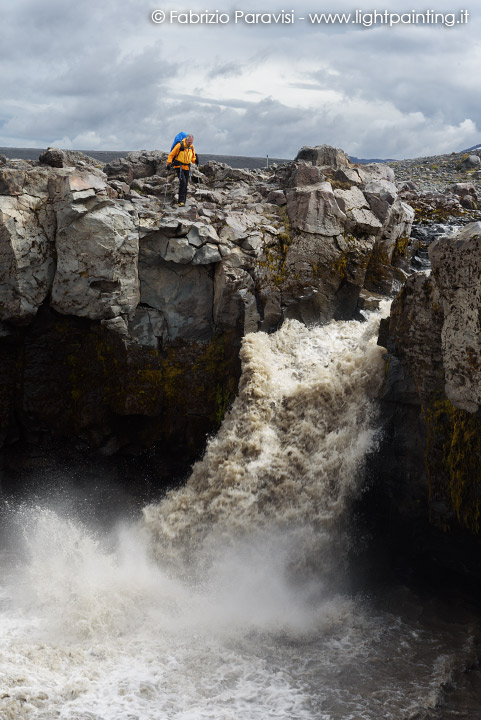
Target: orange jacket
x=181 y=156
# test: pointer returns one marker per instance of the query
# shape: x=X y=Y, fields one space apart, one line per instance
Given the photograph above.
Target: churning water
x=226 y=600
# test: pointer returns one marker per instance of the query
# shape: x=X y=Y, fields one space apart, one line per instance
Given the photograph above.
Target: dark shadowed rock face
x=125 y=315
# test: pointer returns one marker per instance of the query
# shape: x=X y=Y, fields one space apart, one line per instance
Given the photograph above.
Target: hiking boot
x=181 y=204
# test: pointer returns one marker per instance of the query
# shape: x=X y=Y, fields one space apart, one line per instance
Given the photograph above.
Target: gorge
x=130 y=329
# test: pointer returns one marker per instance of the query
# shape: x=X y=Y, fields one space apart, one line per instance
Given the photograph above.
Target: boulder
x=324 y=155
x=315 y=210
x=471 y=162
x=97 y=247
x=52 y=157
x=466 y=193
x=27 y=251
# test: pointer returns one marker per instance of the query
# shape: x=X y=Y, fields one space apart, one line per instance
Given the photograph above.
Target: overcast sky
x=100 y=74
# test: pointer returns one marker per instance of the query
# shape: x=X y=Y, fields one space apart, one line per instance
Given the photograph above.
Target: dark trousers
x=183 y=176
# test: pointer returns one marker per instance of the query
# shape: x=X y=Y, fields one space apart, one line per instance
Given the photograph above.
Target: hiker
x=181 y=158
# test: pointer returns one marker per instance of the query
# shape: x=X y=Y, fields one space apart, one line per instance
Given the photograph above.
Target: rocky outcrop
x=441 y=189
x=449 y=205
x=434 y=383
x=119 y=306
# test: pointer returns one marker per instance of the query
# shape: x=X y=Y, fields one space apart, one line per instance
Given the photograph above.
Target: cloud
x=102 y=73
x=225 y=70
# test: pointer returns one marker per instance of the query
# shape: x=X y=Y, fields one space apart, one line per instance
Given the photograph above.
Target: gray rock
x=207 y=254
x=472 y=161
x=147 y=327
x=117 y=325
x=324 y=155
x=12 y=181
x=234 y=300
x=53 y=157
x=278 y=197
x=183 y=294
x=353 y=203
x=315 y=211
x=304 y=174
x=179 y=251
x=456 y=268
x=27 y=227
x=97 y=250
x=200 y=234
x=235 y=228
x=376 y=171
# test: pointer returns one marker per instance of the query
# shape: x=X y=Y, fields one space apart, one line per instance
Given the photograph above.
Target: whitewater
x=228 y=599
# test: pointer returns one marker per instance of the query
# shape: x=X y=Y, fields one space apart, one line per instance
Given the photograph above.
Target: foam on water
x=289 y=454
x=222 y=602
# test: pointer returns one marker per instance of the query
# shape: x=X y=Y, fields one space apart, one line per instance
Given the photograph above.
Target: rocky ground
x=441 y=188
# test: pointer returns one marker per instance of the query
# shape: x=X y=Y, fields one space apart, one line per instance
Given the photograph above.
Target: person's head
x=189 y=140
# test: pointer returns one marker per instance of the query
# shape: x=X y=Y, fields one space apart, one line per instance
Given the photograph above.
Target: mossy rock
x=453 y=461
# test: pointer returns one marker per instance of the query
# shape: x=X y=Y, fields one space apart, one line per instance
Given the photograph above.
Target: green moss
x=339 y=266
x=340 y=184
x=401 y=247
x=425 y=215
x=388 y=364
x=274 y=260
x=214 y=366
x=378 y=270
x=453 y=460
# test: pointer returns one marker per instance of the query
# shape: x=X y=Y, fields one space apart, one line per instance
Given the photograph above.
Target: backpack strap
x=182 y=147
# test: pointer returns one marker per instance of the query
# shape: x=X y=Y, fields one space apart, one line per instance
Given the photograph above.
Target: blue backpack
x=178 y=138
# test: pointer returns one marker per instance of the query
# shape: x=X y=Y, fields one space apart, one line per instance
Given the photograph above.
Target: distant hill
x=475 y=147
x=105 y=156
x=236 y=161
x=365 y=161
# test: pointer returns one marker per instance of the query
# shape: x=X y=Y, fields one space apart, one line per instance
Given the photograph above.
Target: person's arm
x=173 y=153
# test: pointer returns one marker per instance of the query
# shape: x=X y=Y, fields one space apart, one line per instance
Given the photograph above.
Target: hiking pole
x=166 y=183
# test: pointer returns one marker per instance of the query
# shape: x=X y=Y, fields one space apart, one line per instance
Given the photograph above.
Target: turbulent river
x=228 y=599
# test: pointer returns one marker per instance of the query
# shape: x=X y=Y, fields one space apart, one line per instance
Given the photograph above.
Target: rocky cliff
x=431 y=453
x=122 y=315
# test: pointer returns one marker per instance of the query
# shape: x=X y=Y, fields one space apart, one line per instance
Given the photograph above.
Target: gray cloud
x=102 y=73
x=230 y=69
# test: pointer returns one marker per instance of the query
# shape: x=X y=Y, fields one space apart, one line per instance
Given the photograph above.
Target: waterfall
x=289 y=455
x=221 y=602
